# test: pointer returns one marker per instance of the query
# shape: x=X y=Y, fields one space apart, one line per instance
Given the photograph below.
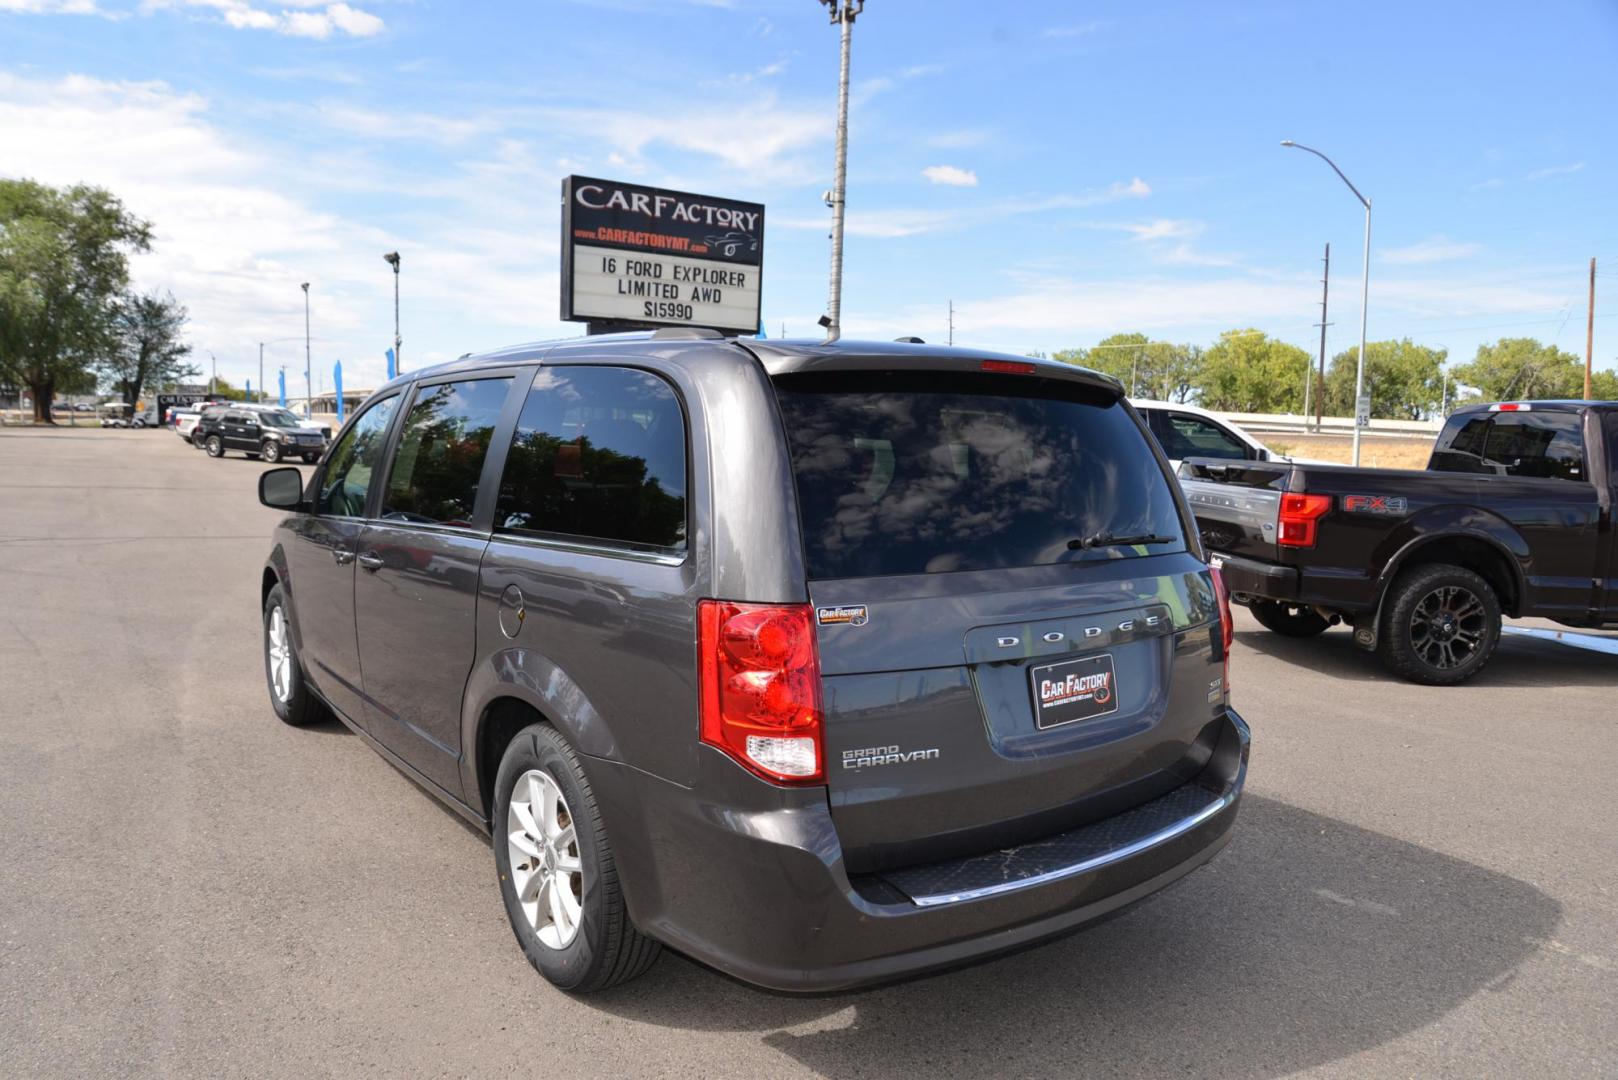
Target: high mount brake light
x=759 y=698
x=1009 y=367
x=1227 y=633
x=1511 y=406
x=1299 y=515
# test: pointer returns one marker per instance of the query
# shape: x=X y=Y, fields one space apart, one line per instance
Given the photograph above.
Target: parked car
x=264 y=431
x=822 y=664
x=83 y=407
x=1511 y=517
x=185 y=424
x=1187 y=431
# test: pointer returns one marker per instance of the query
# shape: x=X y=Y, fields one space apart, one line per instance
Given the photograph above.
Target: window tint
x=1184 y=435
x=353 y=461
x=435 y=471
x=599 y=453
x=929 y=473
x=1547 y=445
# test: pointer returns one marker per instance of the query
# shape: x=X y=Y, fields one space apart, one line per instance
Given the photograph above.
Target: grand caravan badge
x=842 y=615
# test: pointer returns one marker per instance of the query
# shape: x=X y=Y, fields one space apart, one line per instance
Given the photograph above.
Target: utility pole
x=308 y=364
x=843 y=13
x=1320 y=390
x=213 y=379
x=952 y=322
x=261 y=373
x=1590 y=332
x=392 y=259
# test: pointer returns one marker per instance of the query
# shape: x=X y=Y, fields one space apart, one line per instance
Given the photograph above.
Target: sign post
x=635 y=257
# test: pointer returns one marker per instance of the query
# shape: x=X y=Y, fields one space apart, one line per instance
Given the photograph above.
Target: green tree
x=1604 y=386
x=1148 y=369
x=1405 y=380
x=1523 y=368
x=63 y=263
x=148 y=351
x=1248 y=371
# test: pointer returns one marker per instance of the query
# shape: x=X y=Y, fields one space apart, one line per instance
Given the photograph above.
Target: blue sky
x=1060 y=171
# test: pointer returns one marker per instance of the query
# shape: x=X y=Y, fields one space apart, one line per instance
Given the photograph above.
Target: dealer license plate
x=1073 y=690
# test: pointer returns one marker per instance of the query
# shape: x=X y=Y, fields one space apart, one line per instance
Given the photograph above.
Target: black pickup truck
x=1513 y=515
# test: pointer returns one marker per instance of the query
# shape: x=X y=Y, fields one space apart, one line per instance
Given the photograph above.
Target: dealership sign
x=653 y=257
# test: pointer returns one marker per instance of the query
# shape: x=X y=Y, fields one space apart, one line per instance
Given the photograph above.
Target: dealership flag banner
x=391 y=372
x=283 y=389
x=337 y=378
x=635 y=256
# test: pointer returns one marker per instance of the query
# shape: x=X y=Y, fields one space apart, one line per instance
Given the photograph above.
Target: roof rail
x=686 y=333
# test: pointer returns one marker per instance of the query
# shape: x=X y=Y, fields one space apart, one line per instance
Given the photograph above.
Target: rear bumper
x=761 y=892
x=1249 y=577
x=1334 y=588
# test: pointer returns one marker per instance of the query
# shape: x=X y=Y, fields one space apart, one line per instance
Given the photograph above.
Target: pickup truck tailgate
x=1237 y=504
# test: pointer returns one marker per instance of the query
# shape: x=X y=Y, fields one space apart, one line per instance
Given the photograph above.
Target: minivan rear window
x=933 y=472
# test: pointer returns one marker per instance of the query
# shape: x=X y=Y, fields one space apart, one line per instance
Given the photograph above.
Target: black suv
x=821 y=664
x=259 y=431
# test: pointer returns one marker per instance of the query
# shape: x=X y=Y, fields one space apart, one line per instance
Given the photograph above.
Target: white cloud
x=51 y=7
x=1072 y=31
x=315 y=19
x=1431 y=250
x=901 y=221
x=957 y=140
x=238 y=226
x=950 y=175
x=1554 y=170
x=1164 y=229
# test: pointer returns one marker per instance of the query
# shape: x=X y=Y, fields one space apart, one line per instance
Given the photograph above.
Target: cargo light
x=1511 y=406
x=1299 y=515
x=1227 y=633
x=759 y=698
x=1009 y=367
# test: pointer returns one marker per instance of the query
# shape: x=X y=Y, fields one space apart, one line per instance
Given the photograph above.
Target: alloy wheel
x=1447 y=626
x=280 y=656
x=545 y=866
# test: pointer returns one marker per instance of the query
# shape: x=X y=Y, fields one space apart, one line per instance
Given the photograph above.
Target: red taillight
x=1299 y=515
x=1227 y=633
x=1009 y=367
x=759 y=699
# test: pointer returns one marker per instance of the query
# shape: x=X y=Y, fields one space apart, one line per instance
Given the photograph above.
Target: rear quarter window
x=1546 y=445
x=911 y=473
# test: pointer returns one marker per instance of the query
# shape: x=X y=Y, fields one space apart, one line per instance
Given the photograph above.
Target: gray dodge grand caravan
x=822 y=664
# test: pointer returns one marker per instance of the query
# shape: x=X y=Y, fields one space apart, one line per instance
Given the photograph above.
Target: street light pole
x=392 y=259
x=308 y=363
x=261 y=373
x=843 y=13
x=1365 y=289
x=213 y=378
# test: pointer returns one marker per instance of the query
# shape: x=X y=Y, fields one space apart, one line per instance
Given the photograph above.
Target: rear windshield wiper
x=1104 y=539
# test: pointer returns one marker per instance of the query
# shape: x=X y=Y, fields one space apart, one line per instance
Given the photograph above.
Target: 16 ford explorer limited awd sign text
x=649 y=256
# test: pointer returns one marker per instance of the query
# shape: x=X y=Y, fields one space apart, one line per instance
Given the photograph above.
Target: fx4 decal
x=1374 y=504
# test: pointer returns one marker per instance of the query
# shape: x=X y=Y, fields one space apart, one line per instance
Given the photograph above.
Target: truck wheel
x=216 y=448
x=557 y=874
x=197 y=440
x=290 y=698
x=1288 y=620
x=1440 y=625
x=271 y=451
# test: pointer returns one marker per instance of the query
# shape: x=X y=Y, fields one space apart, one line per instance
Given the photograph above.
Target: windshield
x=934 y=472
x=280 y=418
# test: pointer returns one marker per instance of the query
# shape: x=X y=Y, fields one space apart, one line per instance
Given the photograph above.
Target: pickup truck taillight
x=1299 y=515
x=759 y=698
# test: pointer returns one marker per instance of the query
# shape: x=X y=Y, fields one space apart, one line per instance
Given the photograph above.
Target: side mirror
x=281 y=489
x=1261 y=454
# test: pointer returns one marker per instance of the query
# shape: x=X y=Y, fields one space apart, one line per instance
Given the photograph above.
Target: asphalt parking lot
x=1424 y=882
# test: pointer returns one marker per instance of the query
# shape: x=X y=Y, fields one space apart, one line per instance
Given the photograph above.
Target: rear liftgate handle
x=371 y=561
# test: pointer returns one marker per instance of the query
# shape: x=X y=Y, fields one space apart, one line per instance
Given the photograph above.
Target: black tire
x=215 y=446
x=197 y=439
x=1440 y=625
x=606 y=949
x=299 y=706
x=1288 y=620
x=310 y=459
x=271 y=451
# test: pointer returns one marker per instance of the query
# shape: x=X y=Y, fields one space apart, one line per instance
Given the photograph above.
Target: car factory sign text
x=649 y=256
